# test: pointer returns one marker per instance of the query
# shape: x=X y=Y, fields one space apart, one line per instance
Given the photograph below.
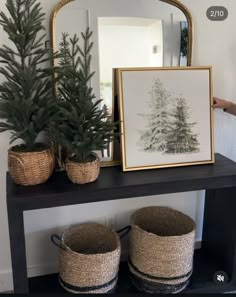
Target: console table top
x=113 y=184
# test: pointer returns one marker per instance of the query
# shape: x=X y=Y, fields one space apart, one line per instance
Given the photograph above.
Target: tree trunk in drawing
x=153 y=138
x=180 y=138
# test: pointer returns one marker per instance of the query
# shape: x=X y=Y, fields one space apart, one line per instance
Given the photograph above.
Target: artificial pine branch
x=27 y=103
x=184 y=42
x=82 y=126
x=65 y=59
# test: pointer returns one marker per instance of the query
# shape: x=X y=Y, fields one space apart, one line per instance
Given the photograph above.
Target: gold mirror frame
x=189 y=18
x=175 y=3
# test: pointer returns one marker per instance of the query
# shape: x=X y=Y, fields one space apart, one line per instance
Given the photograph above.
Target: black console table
x=218 y=244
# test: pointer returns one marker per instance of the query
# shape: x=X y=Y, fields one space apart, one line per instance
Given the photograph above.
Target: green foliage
x=82 y=126
x=26 y=96
x=184 y=42
x=64 y=48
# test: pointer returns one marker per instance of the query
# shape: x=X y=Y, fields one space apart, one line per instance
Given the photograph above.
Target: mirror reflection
x=134 y=33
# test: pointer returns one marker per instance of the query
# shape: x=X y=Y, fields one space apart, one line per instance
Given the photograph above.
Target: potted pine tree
x=82 y=126
x=27 y=104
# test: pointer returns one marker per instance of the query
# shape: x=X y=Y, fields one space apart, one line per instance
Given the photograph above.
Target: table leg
x=18 y=252
x=219 y=231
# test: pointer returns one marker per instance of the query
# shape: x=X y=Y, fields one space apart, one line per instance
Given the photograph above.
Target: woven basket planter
x=83 y=173
x=161 y=250
x=88 y=259
x=31 y=168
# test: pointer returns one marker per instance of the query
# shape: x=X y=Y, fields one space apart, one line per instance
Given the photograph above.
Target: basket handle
x=56 y=240
x=126 y=231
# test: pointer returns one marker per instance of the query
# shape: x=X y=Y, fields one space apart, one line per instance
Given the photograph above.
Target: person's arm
x=227 y=106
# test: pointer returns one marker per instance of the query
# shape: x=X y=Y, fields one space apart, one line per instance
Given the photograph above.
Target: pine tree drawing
x=180 y=138
x=153 y=138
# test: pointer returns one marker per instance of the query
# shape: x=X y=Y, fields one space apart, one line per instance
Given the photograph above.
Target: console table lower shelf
x=202 y=280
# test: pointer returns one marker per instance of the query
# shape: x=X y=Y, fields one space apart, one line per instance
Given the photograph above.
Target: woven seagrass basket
x=161 y=250
x=83 y=173
x=31 y=168
x=88 y=259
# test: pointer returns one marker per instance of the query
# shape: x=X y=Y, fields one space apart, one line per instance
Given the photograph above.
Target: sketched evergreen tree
x=180 y=138
x=153 y=138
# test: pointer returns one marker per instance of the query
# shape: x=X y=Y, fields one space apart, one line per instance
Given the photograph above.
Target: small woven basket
x=31 y=168
x=83 y=173
x=161 y=250
x=89 y=258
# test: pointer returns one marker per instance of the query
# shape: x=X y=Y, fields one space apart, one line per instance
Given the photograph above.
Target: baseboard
x=44 y=269
x=6 y=282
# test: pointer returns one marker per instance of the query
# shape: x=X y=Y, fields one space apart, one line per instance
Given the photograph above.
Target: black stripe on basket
x=86 y=289
x=146 y=286
x=156 y=277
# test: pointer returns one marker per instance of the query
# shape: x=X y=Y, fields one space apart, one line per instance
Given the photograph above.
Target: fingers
x=216 y=102
x=220 y=103
x=217 y=105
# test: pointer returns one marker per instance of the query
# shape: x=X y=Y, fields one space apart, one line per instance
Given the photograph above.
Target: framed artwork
x=166 y=117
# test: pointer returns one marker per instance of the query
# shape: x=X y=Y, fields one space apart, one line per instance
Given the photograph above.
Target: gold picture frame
x=133 y=84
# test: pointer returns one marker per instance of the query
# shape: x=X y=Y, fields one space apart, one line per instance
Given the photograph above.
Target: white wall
x=214 y=44
x=117 y=49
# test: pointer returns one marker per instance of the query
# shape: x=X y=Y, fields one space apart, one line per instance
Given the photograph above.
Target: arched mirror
x=133 y=33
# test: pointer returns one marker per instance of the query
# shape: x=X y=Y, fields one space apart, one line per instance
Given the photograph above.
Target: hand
x=220 y=103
